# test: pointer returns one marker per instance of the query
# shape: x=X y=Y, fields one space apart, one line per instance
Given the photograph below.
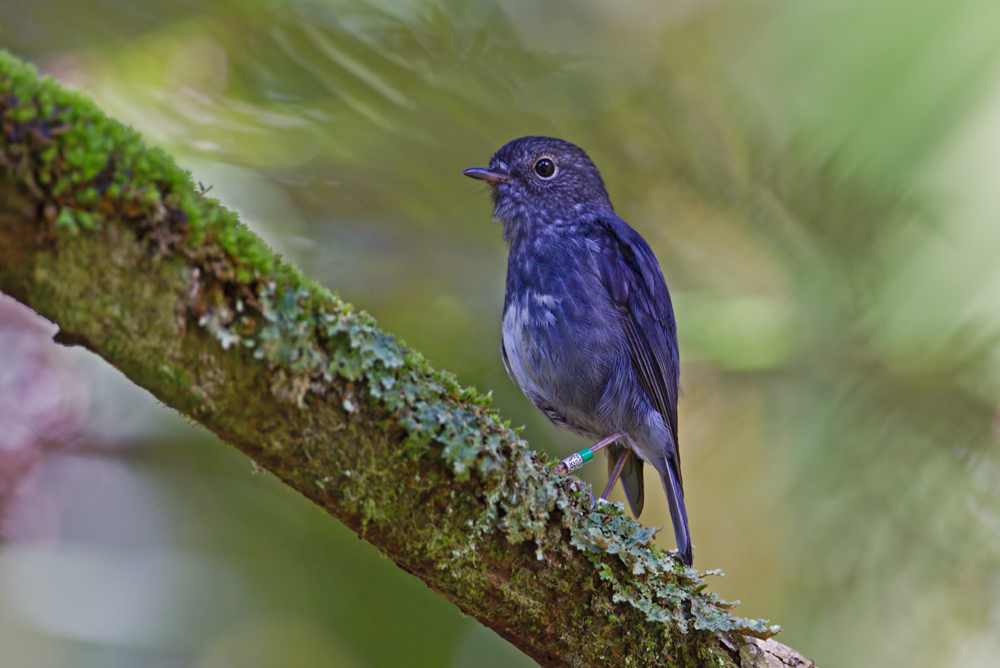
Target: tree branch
x=111 y=241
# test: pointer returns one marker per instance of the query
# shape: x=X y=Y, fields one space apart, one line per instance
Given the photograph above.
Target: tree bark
x=111 y=241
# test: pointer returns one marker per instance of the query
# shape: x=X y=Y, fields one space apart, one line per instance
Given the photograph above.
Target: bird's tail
x=678 y=512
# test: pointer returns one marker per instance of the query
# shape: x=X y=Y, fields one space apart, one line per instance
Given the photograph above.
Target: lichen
x=666 y=588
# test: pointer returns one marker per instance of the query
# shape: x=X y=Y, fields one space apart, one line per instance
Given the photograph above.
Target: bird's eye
x=545 y=168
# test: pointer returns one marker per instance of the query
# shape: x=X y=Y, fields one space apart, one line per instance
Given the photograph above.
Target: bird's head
x=542 y=181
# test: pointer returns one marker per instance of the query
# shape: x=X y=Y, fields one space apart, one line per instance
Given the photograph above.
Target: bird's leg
x=578 y=459
x=617 y=473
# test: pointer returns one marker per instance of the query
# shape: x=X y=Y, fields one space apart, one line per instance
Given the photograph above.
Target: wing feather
x=635 y=283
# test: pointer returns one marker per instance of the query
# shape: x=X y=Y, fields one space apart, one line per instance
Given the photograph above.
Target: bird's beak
x=484 y=174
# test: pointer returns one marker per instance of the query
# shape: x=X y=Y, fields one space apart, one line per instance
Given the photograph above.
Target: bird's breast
x=529 y=339
x=559 y=342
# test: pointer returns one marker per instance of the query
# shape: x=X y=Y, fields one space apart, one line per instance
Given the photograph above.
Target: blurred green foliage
x=819 y=181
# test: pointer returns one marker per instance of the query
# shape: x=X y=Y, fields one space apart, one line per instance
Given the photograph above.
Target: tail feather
x=678 y=512
x=631 y=477
x=632 y=482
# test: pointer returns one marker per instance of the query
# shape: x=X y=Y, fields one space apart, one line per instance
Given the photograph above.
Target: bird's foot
x=594 y=502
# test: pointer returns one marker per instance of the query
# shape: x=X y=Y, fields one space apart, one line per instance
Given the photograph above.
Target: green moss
x=77 y=155
x=65 y=219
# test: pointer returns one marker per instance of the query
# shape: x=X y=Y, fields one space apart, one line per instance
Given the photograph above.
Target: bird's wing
x=635 y=283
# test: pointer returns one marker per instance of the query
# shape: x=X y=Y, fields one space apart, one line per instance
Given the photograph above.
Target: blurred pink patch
x=43 y=408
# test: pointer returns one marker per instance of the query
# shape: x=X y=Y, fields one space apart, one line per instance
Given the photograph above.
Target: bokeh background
x=820 y=180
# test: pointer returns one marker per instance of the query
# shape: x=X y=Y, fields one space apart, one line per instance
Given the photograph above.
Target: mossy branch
x=111 y=240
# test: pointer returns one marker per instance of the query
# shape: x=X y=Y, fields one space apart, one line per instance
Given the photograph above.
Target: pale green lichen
x=667 y=586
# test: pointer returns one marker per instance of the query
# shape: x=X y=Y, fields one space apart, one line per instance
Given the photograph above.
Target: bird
x=588 y=329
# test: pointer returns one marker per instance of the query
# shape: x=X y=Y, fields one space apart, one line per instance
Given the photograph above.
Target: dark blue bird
x=588 y=328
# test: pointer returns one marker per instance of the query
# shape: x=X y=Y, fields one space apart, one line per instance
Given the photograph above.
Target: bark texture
x=112 y=242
